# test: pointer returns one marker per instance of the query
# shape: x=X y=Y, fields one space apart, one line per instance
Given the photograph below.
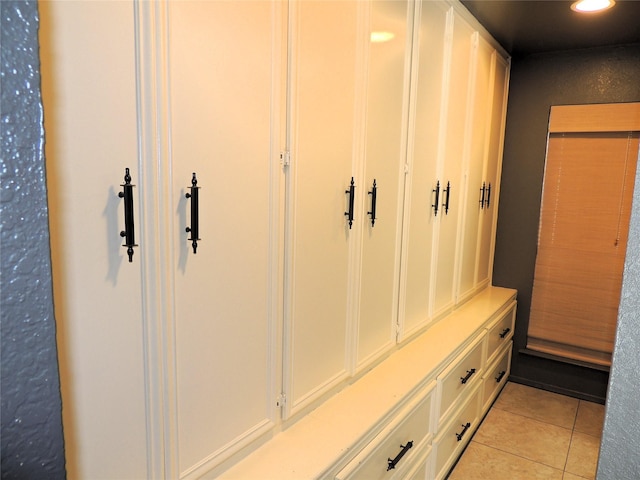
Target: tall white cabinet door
x=323 y=37
x=389 y=56
x=422 y=154
x=493 y=168
x=224 y=60
x=89 y=95
x=477 y=186
x=452 y=183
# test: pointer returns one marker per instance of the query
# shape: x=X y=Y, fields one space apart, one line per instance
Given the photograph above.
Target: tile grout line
x=516 y=455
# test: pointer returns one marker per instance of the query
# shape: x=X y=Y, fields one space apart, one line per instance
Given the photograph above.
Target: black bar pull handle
x=129 y=229
x=465 y=427
x=488 y=194
x=446 y=203
x=195 y=214
x=483 y=192
x=437 y=204
x=504 y=332
x=391 y=464
x=374 y=195
x=466 y=378
x=351 y=192
x=500 y=375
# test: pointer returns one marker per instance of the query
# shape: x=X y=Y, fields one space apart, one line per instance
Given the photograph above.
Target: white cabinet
x=397 y=444
x=387 y=68
x=322 y=135
x=90 y=130
x=202 y=354
x=426 y=113
x=484 y=137
x=450 y=174
x=347 y=122
x=411 y=396
x=222 y=111
x=493 y=169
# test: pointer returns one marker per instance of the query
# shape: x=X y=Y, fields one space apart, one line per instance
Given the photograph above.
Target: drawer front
x=500 y=333
x=456 y=434
x=407 y=432
x=496 y=376
x=419 y=471
x=460 y=377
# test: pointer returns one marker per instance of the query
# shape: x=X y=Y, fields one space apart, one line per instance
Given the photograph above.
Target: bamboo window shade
x=592 y=153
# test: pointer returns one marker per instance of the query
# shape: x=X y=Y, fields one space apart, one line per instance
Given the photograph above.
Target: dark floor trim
x=557 y=389
x=557 y=358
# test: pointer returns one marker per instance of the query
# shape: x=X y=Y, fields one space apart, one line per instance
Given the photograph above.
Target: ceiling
x=525 y=27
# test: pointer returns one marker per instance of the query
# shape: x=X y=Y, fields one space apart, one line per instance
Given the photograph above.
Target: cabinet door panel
x=492 y=169
x=385 y=130
x=456 y=117
x=90 y=119
x=223 y=56
x=424 y=138
x=477 y=141
x=322 y=88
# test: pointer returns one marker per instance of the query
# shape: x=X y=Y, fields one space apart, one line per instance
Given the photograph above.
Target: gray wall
x=619 y=457
x=599 y=75
x=32 y=442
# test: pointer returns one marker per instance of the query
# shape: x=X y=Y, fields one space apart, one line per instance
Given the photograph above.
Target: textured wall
x=619 y=456
x=598 y=75
x=32 y=442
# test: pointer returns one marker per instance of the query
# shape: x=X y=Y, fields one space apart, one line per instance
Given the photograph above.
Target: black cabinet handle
x=374 y=194
x=195 y=224
x=437 y=204
x=504 y=332
x=483 y=192
x=446 y=203
x=488 y=194
x=351 y=192
x=465 y=427
x=391 y=464
x=500 y=375
x=466 y=378
x=129 y=229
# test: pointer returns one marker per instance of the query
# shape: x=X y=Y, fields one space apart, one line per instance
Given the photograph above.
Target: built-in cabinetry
x=418 y=408
x=341 y=152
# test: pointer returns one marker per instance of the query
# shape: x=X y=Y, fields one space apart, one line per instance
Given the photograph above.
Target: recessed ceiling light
x=587 y=6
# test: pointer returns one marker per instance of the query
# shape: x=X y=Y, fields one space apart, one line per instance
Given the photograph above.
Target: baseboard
x=556 y=389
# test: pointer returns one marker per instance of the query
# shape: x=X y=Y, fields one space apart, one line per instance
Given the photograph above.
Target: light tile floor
x=534 y=434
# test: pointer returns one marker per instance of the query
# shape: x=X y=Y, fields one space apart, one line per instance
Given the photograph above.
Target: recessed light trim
x=591 y=6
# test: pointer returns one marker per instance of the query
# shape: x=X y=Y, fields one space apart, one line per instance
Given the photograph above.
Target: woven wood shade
x=584 y=221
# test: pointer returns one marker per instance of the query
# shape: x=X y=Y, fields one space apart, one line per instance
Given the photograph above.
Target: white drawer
x=459 y=377
x=408 y=432
x=500 y=333
x=496 y=376
x=422 y=466
x=456 y=434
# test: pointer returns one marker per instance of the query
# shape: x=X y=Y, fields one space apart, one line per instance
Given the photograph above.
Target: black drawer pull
x=466 y=378
x=194 y=229
x=351 y=192
x=500 y=375
x=437 y=204
x=505 y=332
x=446 y=203
x=392 y=463
x=374 y=195
x=128 y=233
x=464 y=430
